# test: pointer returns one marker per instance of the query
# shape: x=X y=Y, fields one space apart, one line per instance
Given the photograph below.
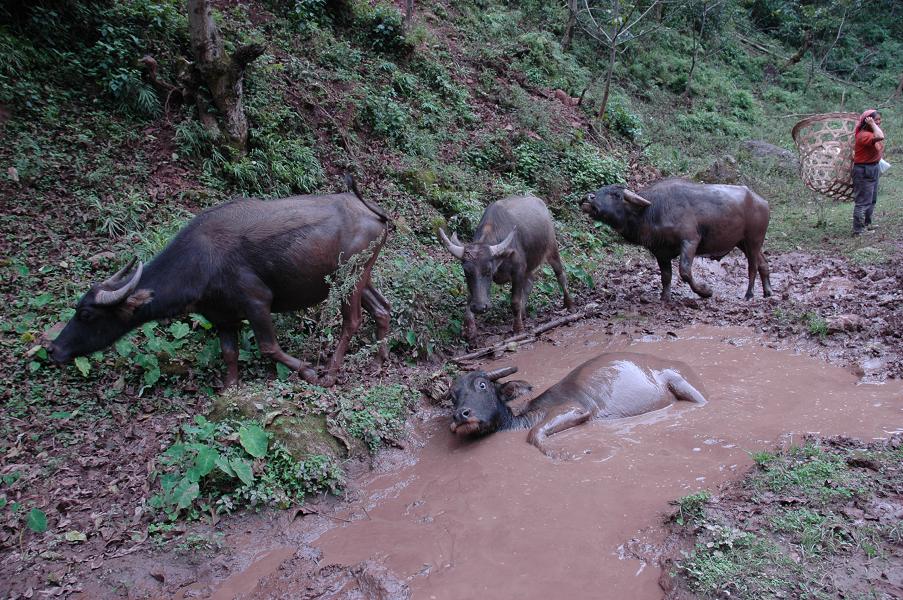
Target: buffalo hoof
x=704 y=291
x=308 y=375
x=326 y=381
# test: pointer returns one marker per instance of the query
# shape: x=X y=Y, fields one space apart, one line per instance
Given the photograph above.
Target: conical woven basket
x=825 y=144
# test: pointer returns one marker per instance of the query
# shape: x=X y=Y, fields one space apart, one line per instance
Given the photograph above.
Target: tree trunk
x=612 y=56
x=807 y=43
x=899 y=90
x=408 y=14
x=569 y=27
x=696 y=38
x=223 y=74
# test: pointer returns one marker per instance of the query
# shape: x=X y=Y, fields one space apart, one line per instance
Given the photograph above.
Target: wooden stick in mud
x=589 y=311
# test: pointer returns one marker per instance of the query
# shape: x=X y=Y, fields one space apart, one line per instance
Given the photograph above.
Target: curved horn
x=502 y=246
x=456 y=249
x=115 y=280
x=499 y=373
x=454 y=239
x=115 y=296
x=635 y=198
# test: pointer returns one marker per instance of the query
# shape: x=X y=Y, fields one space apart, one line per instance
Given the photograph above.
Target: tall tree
x=615 y=24
x=222 y=73
x=568 y=38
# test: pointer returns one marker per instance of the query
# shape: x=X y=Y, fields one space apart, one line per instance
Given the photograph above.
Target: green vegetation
x=798 y=516
x=217 y=467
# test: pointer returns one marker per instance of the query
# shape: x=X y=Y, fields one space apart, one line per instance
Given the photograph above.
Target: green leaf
x=411 y=338
x=179 y=330
x=175 y=452
x=205 y=461
x=168 y=482
x=254 y=440
x=42 y=300
x=200 y=320
x=37 y=520
x=282 y=372
x=83 y=366
x=151 y=376
x=186 y=492
x=243 y=470
x=224 y=466
x=34 y=366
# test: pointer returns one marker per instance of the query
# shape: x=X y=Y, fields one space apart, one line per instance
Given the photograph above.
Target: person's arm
x=876 y=130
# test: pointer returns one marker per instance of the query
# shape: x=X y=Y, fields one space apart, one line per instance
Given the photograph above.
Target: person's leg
x=863 y=197
x=871 y=208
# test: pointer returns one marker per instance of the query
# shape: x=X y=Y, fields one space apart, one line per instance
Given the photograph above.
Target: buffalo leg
x=752 y=267
x=261 y=320
x=687 y=254
x=555 y=262
x=228 y=341
x=470 y=324
x=682 y=389
x=380 y=309
x=664 y=266
x=555 y=424
x=519 y=285
x=764 y=275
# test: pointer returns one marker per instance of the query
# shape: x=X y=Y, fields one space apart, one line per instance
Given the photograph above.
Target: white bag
x=883 y=165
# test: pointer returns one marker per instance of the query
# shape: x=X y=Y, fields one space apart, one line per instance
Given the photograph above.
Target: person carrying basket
x=867 y=152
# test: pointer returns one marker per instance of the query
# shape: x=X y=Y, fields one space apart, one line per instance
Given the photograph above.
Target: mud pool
x=469 y=517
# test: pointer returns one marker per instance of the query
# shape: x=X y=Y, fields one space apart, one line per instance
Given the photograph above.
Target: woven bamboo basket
x=825 y=144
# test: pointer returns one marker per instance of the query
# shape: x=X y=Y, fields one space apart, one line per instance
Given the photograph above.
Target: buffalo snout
x=462 y=414
x=56 y=355
x=479 y=307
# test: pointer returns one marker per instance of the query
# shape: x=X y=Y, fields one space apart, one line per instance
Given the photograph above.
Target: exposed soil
x=757 y=397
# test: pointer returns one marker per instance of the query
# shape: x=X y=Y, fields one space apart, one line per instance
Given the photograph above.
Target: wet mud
x=472 y=517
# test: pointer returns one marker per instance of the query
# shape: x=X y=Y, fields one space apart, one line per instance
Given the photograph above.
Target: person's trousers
x=865 y=187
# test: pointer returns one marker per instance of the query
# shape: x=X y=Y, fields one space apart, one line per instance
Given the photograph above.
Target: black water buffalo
x=610 y=386
x=243 y=260
x=513 y=239
x=675 y=217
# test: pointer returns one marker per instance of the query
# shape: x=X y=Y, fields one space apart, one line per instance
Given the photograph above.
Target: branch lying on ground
x=530 y=336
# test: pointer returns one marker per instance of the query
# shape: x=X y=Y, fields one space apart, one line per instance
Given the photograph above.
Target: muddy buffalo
x=513 y=239
x=610 y=386
x=243 y=260
x=675 y=217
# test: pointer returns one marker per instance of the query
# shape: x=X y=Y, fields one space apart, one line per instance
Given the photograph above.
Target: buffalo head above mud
x=480 y=401
x=611 y=386
x=675 y=217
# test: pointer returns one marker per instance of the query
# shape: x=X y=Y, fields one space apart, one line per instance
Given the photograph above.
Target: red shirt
x=867 y=150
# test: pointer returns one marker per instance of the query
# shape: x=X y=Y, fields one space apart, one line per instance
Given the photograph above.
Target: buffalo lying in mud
x=610 y=386
x=675 y=217
x=243 y=260
x=515 y=236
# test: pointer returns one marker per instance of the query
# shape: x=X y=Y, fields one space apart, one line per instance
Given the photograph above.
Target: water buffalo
x=243 y=260
x=513 y=239
x=610 y=386
x=675 y=217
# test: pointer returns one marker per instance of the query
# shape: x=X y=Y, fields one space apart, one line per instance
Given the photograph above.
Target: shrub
x=587 y=169
x=381 y=28
x=218 y=467
x=619 y=118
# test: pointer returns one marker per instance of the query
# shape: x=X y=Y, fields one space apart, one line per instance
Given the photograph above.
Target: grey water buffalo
x=243 y=260
x=515 y=236
x=610 y=386
x=675 y=217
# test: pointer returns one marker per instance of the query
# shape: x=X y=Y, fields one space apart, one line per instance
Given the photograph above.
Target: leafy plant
x=219 y=467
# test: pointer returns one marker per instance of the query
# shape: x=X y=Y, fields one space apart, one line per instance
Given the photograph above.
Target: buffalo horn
x=454 y=239
x=456 y=249
x=635 y=198
x=499 y=373
x=500 y=248
x=116 y=295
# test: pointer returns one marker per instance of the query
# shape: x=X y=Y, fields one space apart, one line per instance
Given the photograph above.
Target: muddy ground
x=846 y=314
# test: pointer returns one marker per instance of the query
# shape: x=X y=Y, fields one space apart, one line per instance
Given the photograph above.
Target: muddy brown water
x=495 y=518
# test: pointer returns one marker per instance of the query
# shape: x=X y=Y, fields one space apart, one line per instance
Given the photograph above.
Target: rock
x=846 y=322
x=723 y=170
x=762 y=149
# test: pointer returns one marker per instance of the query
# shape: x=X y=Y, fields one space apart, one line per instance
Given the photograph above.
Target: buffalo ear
x=511 y=390
x=133 y=301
